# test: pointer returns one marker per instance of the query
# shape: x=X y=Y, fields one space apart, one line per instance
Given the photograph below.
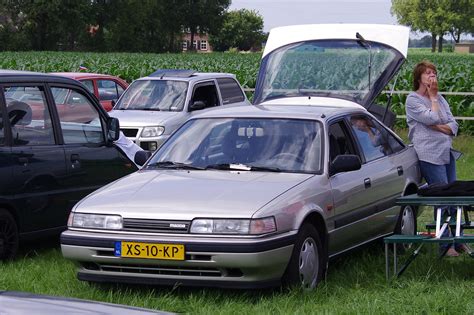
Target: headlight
x=95 y=221
x=155 y=131
x=233 y=226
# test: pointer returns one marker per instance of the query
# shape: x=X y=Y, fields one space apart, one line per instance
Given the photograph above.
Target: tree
x=462 y=19
x=12 y=24
x=203 y=16
x=437 y=17
x=242 y=29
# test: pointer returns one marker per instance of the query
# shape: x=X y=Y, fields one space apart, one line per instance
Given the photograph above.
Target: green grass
x=355 y=283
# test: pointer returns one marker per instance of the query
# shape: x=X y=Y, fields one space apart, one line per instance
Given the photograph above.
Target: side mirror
x=345 y=163
x=112 y=103
x=197 y=105
x=113 y=129
x=141 y=157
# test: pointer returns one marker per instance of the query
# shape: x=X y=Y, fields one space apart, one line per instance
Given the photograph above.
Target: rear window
x=230 y=91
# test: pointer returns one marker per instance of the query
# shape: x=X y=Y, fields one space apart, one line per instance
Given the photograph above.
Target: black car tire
x=9 y=238
x=307 y=264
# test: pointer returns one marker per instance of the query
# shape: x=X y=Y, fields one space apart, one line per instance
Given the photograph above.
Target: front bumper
x=148 y=143
x=209 y=261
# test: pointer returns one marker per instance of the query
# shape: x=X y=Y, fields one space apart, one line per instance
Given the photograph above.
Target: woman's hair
x=420 y=68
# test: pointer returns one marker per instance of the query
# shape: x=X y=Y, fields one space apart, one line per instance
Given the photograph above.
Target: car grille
x=165 y=270
x=130 y=132
x=158 y=226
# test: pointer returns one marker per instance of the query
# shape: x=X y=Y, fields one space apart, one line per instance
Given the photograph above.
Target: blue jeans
x=445 y=174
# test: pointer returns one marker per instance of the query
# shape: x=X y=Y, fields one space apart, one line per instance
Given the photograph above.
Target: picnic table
x=464 y=205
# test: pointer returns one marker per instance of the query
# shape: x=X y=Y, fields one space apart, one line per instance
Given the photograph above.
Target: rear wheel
x=8 y=235
x=406 y=225
x=307 y=262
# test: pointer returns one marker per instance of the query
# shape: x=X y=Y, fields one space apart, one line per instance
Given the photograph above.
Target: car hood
x=16 y=303
x=184 y=195
x=345 y=61
x=140 y=118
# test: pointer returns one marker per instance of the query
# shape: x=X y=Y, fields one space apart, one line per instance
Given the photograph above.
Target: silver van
x=155 y=106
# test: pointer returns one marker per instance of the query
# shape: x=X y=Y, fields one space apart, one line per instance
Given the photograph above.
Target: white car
x=153 y=107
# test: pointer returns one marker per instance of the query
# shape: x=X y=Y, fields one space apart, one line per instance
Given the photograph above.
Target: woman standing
x=431 y=130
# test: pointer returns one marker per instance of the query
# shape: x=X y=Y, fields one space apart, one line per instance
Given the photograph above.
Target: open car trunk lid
x=346 y=61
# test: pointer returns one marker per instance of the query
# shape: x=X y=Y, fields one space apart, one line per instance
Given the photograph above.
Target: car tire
x=9 y=238
x=406 y=225
x=307 y=264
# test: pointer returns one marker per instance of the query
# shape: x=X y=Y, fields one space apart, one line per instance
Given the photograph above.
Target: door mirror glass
x=113 y=129
x=198 y=105
x=345 y=163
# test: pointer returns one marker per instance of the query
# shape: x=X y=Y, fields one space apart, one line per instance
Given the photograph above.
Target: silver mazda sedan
x=255 y=196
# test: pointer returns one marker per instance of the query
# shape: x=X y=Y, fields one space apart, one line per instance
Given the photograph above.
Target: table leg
x=458 y=221
x=395 y=267
x=387 y=272
x=438 y=222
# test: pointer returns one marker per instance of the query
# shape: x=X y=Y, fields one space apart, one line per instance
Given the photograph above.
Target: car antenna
x=363 y=42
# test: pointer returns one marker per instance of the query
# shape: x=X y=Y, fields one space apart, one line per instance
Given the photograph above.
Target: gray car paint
x=290 y=198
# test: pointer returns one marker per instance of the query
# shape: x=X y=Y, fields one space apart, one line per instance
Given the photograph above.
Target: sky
x=290 y=12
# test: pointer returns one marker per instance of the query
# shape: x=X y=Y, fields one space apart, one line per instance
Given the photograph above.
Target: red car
x=107 y=88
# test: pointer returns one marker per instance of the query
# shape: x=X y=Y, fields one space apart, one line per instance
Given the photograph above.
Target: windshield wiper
x=265 y=169
x=175 y=165
x=242 y=167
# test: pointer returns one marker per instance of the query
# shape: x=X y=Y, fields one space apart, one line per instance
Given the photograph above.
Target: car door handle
x=400 y=170
x=74 y=158
x=367 y=183
x=23 y=161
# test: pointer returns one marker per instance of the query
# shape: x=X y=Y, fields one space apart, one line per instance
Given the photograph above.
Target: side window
x=89 y=85
x=230 y=91
x=340 y=142
x=80 y=120
x=29 y=116
x=207 y=94
x=108 y=90
x=374 y=139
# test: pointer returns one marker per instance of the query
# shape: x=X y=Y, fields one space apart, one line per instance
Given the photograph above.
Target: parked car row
x=233 y=196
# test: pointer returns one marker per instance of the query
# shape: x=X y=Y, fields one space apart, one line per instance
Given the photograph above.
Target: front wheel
x=8 y=236
x=307 y=263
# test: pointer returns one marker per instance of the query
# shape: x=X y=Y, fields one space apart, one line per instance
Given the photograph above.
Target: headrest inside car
x=19 y=113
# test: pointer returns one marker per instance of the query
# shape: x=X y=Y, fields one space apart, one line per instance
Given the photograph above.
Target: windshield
x=283 y=145
x=162 y=95
x=331 y=68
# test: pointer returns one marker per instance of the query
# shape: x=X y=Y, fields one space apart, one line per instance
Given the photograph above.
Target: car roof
x=83 y=75
x=279 y=111
x=187 y=76
x=7 y=76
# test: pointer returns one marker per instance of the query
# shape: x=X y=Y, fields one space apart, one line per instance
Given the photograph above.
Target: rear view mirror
x=345 y=163
x=141 y=157
x=113 y=129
